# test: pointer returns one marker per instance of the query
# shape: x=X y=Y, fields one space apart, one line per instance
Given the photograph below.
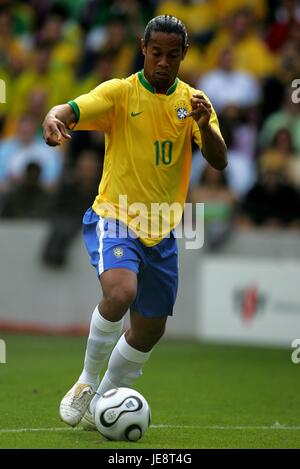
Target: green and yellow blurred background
x=223 y=375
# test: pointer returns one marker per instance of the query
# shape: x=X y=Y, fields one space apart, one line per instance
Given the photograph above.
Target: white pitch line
x=25 y=430
x=231 y=427
x=276 y=426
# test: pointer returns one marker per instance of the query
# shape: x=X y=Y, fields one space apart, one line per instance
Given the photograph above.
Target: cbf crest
x=118 y=252
x=181 y=110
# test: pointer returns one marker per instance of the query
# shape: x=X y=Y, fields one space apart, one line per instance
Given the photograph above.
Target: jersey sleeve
x=213 y=121
x=96 y=109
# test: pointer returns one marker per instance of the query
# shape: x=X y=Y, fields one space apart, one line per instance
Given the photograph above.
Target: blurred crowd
x=244 y=54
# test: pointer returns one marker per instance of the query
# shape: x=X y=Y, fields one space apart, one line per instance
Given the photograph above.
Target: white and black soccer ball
x=122 y=414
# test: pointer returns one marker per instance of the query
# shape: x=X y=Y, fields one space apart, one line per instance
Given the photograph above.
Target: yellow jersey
x=148 y=151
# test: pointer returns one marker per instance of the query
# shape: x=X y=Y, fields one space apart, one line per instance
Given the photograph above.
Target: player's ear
x=143 y=46
x=185 y=51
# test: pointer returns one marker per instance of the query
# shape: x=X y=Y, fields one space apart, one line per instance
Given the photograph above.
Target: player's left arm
x=213 y=146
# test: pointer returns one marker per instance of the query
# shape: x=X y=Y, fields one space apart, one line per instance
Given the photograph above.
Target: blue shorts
x=110 y=247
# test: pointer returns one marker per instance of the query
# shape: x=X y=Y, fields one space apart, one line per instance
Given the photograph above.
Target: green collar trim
x=150 y=88
x=145 y=82
x=172 y=88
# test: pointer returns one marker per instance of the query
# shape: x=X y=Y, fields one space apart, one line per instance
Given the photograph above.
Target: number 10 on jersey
x=163 y=152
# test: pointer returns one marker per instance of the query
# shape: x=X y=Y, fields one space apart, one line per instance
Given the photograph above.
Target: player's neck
x=158 y=88
x=161 y=90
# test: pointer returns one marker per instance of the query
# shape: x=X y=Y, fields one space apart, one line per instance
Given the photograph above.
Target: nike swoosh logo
x=134 y=114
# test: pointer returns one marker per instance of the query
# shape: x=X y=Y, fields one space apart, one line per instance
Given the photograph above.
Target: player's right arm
x=91 y=111
x=56 y=122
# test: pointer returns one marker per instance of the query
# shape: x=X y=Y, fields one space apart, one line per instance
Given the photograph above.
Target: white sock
x=124 y=367
x=102 y=337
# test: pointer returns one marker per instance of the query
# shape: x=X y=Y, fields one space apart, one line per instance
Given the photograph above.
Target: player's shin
x=124 y=368
x=102 y=337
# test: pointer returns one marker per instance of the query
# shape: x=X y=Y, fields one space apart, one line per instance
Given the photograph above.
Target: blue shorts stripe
x=100 y=233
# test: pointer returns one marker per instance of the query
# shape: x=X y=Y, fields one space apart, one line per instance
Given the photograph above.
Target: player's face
x=163 y=55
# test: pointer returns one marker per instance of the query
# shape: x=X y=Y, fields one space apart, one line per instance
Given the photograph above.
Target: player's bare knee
x=122 y=297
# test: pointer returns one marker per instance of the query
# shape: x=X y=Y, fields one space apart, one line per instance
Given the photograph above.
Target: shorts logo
x=118 y=252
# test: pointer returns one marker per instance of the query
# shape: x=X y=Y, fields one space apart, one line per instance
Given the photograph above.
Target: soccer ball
x=122 y=414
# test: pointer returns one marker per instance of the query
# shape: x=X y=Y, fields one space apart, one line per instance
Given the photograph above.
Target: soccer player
x=150 y=120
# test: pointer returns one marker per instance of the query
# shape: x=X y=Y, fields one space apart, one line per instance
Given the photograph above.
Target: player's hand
x=54 y=131
x=201 y=110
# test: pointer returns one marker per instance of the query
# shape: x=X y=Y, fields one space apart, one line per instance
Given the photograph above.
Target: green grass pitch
x=201 y=396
